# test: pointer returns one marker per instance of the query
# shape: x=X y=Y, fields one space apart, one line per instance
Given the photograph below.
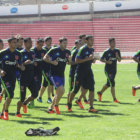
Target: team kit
x=43 y=66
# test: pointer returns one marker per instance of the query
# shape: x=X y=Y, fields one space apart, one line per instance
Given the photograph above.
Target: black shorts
x=0 y=87
x=31 y=85
x=9 y=86
x=86 y=80
x=47 y=80
x=110 y=78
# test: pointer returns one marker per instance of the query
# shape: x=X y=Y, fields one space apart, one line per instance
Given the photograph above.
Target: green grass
x=113 y=122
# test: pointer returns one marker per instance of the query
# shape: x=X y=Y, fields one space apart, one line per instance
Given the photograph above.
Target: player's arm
x=104 y=60
x=47 y=58
x=136 y=58
x=118 y=56
x=2 y=72
x=20 y=63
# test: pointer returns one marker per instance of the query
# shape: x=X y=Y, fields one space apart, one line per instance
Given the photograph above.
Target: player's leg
x=22 y=99
x=135 y=88
x=59 y=86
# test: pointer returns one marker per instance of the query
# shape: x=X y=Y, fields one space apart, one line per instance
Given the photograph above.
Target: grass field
x=113 y=122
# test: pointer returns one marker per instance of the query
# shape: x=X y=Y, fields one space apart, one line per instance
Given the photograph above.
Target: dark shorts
x=57 y=81
x=31 y=85
x=18 y=75
x=138 y=73
x=9 y=86
x=86 y=80
x=110 y=79
x=47 y=80
x=38 y=80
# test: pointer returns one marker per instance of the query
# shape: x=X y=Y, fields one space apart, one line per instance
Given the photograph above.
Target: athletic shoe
x=79 y=104
x=68 y=107
x=133 y=91
x=31 y=105
x=100 y=96
x=86 y=102
x=92 y=110
x=53 y=95
x=1 y=117
x=116 y=101
x=24 y=108
x=50 y=111
x=49 y=100
x=39 y=100
x=1 y=98
x=19 y=115
x=6 y=116
x=56 y=108
x=139 y=100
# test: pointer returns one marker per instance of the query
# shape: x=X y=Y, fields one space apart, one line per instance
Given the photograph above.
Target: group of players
x=28 y=65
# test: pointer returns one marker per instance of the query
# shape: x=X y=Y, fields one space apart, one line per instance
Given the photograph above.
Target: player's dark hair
x=81 y=36
x=11 y=39
x=62 y=39
x=47 y=38
x=77 y=41
x=1 y=41
x=88 y=37
x=27 y=39
x=40 y=40
x=111 y=39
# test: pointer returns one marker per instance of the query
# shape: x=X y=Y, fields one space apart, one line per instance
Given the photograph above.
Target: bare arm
x=47 y=59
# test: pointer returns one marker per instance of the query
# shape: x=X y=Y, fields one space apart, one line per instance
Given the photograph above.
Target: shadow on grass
x=47 y=119
x=126 y=103
x=104 y=105
x=13 y=114
x=112 y=114
x=29 y=122
x=81 y=116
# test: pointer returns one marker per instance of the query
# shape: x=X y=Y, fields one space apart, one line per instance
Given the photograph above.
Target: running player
x=11 y=59
x=46 y=74
x=27 y=77
x=58 y=58
x=110 y=58
x=84 y=75
x=136 y=58
x=73 y=65
x=39 y=54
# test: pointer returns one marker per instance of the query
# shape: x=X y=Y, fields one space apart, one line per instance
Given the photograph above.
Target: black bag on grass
x=42 y=132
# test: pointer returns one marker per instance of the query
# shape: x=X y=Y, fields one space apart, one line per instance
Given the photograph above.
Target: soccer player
x=39 y=54
x=19 y=48
x=58 y=58
x=110 y=58
x=84 y=75
x=27 y=77
x=10 y=59
x=20 y=40
x=73 y=65
x=82 y=38
x=46 y=74
x=1 y=90
x=136 y=58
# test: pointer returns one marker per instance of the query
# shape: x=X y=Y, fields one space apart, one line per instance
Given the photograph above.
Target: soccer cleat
x=1 y=117
x=24 y=108
x=86 y=102
x=116 y=101
x=49 y=100
x=133 y=91
x=39 y=100
x=56 y=108
x=52 y=95
x=139 y=100
x=68 y=109
x=100 y=96
x=92 y=110
x=80 y=104
x=50 y=111
x=19 y=115
x=1 y=98
x=6 y=116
